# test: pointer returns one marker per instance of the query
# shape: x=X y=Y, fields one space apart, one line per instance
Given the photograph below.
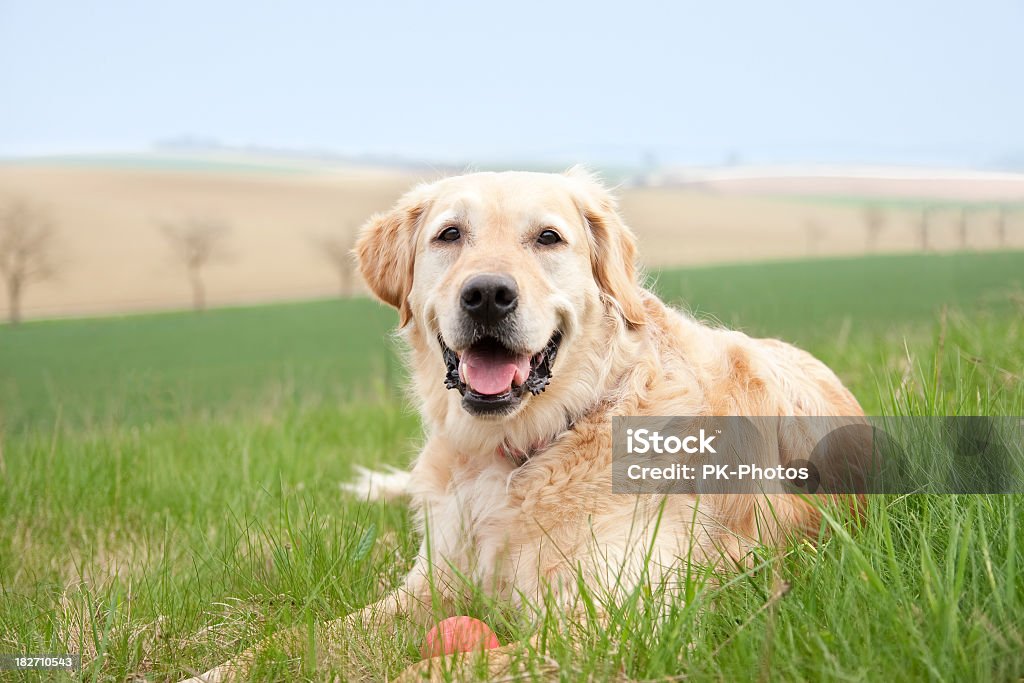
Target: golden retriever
x=520 y=301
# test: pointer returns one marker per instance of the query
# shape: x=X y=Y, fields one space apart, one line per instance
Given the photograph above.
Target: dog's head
x=501 y=274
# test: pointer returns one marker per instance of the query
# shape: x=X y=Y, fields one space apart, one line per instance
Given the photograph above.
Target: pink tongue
x=491 y=372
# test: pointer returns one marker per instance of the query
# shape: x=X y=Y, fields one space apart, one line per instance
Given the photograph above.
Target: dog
x=528 y=329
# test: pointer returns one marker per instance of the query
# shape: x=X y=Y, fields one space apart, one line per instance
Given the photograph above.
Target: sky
x=897 y=82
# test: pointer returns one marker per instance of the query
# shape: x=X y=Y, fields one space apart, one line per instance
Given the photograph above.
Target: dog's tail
x=374 y=485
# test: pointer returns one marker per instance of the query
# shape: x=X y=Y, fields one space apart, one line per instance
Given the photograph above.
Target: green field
x=171 y=489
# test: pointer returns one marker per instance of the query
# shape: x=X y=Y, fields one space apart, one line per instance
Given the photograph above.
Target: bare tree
x=26 y=245
x=815 y=233
x=874 y=221
x=337 y=251
x=196 y=243
x=923 y=227
x=962 y=228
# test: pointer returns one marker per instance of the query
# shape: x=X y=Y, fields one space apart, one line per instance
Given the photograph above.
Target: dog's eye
x=548 y=237
x=449 y=234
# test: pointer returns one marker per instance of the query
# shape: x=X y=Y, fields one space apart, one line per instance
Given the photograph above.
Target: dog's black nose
x=489 y=298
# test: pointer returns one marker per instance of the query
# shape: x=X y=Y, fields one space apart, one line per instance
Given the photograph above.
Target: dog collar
x=518 y=457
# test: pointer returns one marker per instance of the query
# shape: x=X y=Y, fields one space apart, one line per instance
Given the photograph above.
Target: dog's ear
x=613 y=247
x=386 y=248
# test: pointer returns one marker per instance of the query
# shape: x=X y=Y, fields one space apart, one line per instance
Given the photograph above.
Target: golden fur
x=519 y=531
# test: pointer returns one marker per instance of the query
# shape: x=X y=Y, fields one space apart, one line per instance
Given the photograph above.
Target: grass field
x=171 y=490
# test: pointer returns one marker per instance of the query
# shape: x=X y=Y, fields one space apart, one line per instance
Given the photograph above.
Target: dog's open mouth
x=493 y=378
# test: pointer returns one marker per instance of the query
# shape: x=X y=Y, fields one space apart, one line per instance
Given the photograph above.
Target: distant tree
x=26 y=244
x=874 y=221
x=962 y=228
x=337 y=251
x=923 y=226
x=197 y=242
x=814 y=233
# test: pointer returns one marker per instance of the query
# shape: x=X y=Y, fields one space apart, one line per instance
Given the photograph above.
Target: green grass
x=807 y=301
x=143 y=368
x=169 y=473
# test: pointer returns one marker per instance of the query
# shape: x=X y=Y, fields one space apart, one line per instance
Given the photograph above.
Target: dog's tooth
x=462 y=373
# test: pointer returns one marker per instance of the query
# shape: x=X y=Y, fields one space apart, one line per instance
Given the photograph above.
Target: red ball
x=458 y=634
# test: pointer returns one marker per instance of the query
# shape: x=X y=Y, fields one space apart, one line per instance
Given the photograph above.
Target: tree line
x=28 y=239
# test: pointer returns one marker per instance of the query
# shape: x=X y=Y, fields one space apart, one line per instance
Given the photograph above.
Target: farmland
x=171 y=487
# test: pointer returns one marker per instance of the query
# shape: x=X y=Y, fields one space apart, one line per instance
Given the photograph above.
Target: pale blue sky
x=885 y=81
